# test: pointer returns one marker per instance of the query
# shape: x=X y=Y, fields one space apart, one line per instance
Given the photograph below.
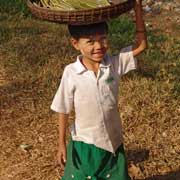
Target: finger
x=60 y=163
x=64 y=157
x=59 y=159
x=63 y=160
x=138 y=1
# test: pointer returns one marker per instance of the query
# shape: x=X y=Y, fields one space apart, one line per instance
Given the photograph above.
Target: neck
x=91 y=65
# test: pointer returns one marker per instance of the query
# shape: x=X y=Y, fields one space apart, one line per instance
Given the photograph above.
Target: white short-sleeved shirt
x=95 y=99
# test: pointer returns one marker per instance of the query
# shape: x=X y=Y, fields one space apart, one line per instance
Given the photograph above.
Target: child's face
x=93 y=48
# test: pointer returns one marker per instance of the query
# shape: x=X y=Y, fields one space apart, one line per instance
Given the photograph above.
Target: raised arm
x=141 y=38
x=62 y=123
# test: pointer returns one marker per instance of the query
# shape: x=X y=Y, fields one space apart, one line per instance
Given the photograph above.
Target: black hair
x=78 y=31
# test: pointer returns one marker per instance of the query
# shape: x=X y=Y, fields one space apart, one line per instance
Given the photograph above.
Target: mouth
x=99 y=53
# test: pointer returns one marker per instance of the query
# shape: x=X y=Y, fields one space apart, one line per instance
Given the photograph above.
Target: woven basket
x=80 y=17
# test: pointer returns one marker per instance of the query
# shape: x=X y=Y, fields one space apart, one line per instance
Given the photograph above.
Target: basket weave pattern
x=80 y=17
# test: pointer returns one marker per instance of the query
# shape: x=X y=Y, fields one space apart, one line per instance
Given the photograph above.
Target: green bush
x=121 y=32
x=14 y=7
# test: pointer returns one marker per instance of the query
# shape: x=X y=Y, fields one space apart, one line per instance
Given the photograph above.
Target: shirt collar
x=105 y=62
x=79 y=67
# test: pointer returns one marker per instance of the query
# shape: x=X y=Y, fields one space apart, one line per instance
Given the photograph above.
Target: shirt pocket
x=110 y=92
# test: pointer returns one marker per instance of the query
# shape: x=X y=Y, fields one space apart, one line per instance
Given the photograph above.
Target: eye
x=104 y=38
x=90 y=41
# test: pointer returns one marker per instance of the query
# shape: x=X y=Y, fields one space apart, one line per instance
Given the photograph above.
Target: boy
x=90 y=85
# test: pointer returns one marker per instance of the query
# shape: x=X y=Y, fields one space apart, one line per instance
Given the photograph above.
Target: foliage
x=121 y=32
x=14 y=7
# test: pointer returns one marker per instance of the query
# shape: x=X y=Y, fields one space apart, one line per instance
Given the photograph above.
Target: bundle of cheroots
x=79 y=11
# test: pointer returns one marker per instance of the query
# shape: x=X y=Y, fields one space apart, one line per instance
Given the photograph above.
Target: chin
x=99 y=58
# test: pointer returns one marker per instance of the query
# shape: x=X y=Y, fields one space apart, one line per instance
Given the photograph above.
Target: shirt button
x=72 y=176
x=108 y=175
x=89 y=177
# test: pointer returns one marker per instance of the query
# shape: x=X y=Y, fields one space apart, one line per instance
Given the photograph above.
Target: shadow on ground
x=168 y=176
x=138 y=155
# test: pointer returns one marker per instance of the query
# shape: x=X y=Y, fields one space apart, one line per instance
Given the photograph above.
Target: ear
x=75 y=43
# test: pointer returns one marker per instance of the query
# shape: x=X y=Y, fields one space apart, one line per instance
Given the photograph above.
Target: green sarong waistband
x=86 y=161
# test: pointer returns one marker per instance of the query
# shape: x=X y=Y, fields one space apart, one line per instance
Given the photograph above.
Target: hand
x=61 y=155
x=138 y=4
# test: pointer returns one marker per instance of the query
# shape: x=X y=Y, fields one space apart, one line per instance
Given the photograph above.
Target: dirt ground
x=28 y=135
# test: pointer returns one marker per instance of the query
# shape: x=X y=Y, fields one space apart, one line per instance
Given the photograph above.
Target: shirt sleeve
x=63 y=99
x=125 y=62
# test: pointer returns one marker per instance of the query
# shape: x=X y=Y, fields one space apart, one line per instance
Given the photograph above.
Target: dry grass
x=32 y=57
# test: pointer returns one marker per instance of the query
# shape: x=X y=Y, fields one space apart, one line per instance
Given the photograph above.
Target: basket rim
x=29 y=3
x=82 y=16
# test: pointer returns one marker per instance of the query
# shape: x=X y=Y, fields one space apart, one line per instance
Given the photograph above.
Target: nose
x=98 y=44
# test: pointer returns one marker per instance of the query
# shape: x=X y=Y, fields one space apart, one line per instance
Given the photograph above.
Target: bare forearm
x=141 y=37
x=61 y=155
x=139 y=17
x=62 y=122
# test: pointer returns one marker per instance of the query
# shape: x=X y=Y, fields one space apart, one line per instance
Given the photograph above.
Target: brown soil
x=28 y=133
